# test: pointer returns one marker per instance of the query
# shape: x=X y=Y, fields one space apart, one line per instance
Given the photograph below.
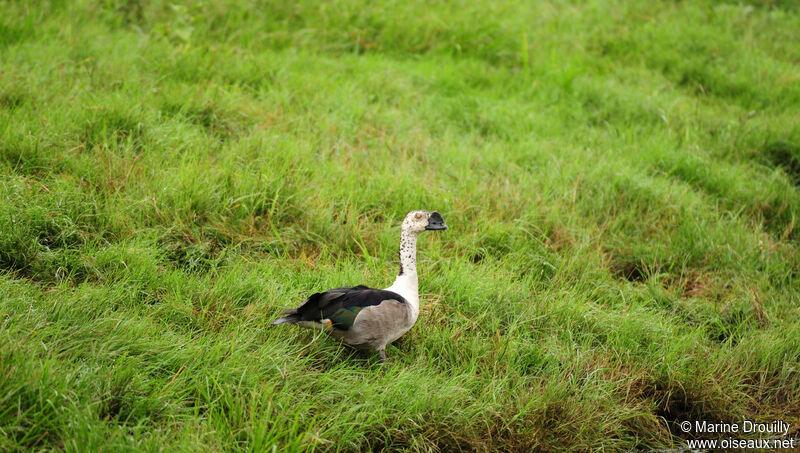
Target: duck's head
x=418 y=221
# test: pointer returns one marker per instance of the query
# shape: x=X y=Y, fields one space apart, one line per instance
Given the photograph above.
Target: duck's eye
x=419 y=216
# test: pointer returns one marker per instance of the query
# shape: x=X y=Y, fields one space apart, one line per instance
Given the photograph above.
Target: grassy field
x=621 y=181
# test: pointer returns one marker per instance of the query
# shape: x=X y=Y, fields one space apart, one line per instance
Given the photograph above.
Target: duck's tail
x=291 y=317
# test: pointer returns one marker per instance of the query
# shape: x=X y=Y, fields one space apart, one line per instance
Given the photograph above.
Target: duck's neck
x=408 y=254
x=406 y=283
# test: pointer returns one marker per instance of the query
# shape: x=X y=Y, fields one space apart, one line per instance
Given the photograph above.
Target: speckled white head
x=406 y=283
x=418 y=221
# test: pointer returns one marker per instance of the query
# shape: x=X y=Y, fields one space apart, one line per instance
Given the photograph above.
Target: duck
x=369 y=318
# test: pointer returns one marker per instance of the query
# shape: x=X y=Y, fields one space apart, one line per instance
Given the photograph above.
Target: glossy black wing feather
x=342 y=304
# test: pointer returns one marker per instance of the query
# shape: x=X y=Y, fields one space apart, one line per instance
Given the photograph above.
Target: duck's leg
x=382 y=355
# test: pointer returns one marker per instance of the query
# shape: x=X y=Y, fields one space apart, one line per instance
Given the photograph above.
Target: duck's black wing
x=340 y=305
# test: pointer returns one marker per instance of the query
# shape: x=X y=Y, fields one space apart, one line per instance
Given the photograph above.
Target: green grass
x=621 y=181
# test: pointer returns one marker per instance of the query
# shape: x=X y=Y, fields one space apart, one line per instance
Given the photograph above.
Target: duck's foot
x=382 y=355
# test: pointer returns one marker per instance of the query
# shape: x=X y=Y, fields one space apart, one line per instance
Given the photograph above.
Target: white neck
x=406 y=283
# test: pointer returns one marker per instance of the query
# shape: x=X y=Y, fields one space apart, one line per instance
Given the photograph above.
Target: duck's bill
x=436 y=222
